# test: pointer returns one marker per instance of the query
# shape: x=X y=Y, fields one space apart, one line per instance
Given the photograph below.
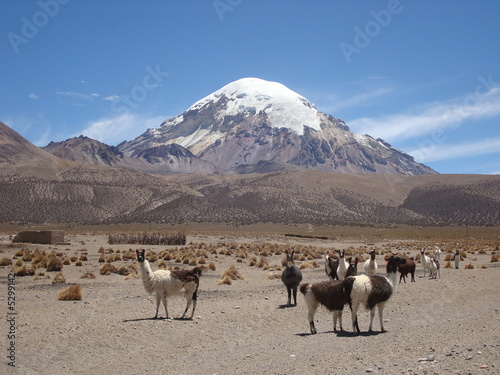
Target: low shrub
x=71 y=293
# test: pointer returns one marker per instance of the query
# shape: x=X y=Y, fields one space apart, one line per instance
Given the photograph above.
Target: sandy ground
x=449 y=325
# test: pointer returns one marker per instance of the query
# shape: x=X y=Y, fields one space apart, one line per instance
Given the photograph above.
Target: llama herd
x=344 y=287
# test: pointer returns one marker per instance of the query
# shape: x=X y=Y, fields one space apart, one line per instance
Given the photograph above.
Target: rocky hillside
x=162 y=159
x=39 y=187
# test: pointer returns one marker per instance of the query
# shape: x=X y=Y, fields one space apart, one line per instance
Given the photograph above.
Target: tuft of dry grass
x=263 y=263
x=79 y=263
x=311 y=264
x=273 y=276
x=132 y=276
x=107 y=269
x=469 y=266
x=495 y=258
x=212 y=266
x=20 y=271
x=54 y=264
x=448 y=257
x=225 y=280
x=484 y=267
x=88 y=275
x=59 y=279
x=232 y=273
x=71 y=293
x=447 y=265
x=5 y=262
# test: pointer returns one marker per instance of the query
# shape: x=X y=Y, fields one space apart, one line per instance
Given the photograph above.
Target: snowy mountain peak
x=252 y=125
x=284 y=107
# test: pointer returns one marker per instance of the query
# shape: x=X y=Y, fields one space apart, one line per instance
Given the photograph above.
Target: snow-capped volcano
x=284 y=107
x=251 y=124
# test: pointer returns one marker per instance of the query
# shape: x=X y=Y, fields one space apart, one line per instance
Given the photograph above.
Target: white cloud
x=33 y=96
x=94 y=94
x=333 y=103
x=113 y=130
x=434 y=152
x=358 y=99
x=433 y=117
x=75 y=95
x=113 y=98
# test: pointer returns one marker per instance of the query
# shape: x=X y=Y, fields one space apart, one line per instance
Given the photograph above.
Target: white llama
x=168 y=283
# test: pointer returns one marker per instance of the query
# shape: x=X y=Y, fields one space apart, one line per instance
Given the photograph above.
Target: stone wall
x=52 y=237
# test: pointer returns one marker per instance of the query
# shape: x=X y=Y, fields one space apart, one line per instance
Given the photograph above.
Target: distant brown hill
x=36 y=186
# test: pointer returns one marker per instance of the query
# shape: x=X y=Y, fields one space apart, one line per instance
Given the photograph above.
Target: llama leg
x=164 y=298
x=295 y=295
x=337 y=314
x=312 y=306
x=354 y=317
x=190 y=294
x=158 y=300
x=372 y=315
x=381 y=307
x=289 y=290
x=194 y=299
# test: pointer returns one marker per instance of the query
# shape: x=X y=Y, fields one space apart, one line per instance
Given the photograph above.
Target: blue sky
x=422 y=75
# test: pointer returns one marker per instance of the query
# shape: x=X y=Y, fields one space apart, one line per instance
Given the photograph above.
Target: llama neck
x=145 y=267
x=392 y=277
x=146 y=273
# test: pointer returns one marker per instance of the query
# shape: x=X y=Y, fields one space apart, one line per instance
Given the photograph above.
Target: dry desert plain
x=449 y=325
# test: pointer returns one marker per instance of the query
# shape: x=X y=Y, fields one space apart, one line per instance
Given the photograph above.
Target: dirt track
x=443 y=326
